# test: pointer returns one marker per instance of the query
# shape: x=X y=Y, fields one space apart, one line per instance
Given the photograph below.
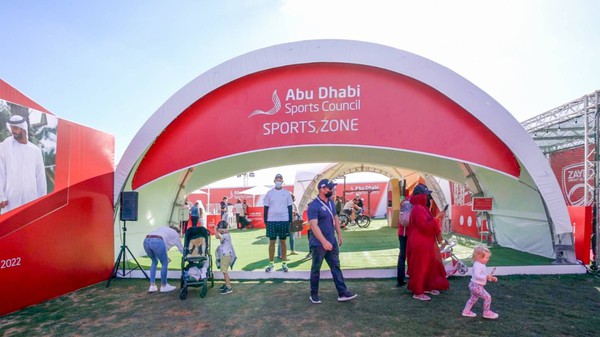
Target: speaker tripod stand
x=122 y=260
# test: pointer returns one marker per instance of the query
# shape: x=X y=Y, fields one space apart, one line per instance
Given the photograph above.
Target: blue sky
x=111 y=64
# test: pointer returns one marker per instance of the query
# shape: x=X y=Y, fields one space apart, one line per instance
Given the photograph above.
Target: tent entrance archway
x=322 y=101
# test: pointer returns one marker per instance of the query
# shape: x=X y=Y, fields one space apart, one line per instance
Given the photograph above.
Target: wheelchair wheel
x=363 y=221
x=183 y=293
x=204 y=289
x=344 y=220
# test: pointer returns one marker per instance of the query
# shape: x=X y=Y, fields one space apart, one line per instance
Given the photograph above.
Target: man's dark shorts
x=279 y=229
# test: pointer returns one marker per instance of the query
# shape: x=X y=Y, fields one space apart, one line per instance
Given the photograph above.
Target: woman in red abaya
x=425 y=267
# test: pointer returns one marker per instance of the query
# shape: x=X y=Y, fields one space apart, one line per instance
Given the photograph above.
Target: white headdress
x=20 y=122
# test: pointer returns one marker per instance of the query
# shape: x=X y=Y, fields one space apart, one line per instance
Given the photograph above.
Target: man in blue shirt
x=324 y=224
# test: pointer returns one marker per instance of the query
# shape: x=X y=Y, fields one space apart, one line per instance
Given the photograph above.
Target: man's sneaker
x=284 y=267
x=490 y=315
x=400 y=284
x=270 y=268
x=315 y=299
x=222 y=287
x=226 y=290
x=469 y=314
x=152 y=289
x=167 y=288
x=347 y=296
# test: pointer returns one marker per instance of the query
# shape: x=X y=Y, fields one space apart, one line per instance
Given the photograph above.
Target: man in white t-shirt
x=278 y=217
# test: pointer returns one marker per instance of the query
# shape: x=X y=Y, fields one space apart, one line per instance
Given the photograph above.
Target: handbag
x=296 y=226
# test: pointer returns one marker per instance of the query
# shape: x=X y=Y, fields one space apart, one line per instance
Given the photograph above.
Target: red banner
x=323 y=103
x=482 y=204
x=72 y=226
x=256 y=215
x=464 y=221
x=581 y=218
x=568 y=166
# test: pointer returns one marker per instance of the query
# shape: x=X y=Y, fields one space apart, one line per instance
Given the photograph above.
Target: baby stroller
x=452 y=263
x=196 y=263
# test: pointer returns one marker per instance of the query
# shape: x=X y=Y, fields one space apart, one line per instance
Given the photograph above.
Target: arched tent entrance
x=306 y=181
x=336 y=101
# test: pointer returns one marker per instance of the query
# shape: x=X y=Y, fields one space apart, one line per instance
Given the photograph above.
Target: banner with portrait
x=28 y=144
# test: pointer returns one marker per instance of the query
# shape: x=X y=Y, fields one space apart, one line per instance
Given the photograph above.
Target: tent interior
x=518 y=216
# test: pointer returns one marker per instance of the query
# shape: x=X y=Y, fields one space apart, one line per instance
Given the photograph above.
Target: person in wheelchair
x=351 y=209
x=359 y=201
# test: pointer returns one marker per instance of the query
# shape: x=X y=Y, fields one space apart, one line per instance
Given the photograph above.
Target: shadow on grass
x=256 y=265
x=365 y=239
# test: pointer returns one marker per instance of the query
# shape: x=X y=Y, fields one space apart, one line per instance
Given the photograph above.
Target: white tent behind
x=258 y=190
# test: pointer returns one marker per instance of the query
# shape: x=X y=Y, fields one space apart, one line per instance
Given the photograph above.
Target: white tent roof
x=531 y=213
x=256 y=190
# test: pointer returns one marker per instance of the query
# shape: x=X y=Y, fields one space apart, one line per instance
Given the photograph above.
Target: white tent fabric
x=256 y=190
x=260 y=191
x=535 y=199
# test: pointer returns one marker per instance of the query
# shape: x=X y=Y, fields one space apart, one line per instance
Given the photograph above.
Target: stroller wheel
x=462 y=268
x=183 y=293
x=204 y=289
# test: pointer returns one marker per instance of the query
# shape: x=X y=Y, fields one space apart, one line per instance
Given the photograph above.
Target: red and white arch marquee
x=337 y=101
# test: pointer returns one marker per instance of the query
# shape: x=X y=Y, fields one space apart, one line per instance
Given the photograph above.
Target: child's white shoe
x=490 y=315
x=469 y=314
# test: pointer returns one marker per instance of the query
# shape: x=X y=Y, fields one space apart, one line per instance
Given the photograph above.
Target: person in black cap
x=324 y=224
x=427 y=273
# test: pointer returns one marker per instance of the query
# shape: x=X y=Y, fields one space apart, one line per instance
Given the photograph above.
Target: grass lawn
x=528 y=306
x=375 y=247
x=551 y=305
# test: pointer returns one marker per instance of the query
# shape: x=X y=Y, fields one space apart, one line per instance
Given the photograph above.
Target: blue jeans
x=157 y=251
x=401 y=260
x=292 y=245
x=333 y=260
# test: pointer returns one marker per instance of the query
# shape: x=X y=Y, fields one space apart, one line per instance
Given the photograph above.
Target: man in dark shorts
x=278 y=217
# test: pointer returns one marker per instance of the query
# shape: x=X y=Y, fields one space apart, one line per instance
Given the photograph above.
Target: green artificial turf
x=375 y=247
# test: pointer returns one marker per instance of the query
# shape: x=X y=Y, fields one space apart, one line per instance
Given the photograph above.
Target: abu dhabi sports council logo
x=273 y=110
x=309 y=102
